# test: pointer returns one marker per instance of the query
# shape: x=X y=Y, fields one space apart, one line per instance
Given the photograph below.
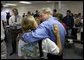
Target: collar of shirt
x=49 y=18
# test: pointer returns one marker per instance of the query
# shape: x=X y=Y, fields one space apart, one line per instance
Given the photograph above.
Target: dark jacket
x=69 y=21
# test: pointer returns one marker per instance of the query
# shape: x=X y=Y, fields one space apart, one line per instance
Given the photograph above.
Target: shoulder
x=49 y=21
x=47 y=40
x=3 y=16
x=44 y=24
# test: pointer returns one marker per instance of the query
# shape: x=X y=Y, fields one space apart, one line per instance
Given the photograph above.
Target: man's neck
x=49 y=17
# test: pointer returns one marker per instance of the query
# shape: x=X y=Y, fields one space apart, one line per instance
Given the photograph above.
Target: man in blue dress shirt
x=45 y=29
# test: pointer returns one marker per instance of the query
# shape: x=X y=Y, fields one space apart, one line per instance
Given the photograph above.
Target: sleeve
x=10 y=21
x=39 y=34
x=3 y=17
x=49 y=46
x=20 y=19
x=20 y=44
x=2 y=31
x=72 y=21
x=53 y=48
x=63 y=20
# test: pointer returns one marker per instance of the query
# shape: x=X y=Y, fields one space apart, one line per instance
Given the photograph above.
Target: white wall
x=5 y=10
x=75 y=7
x=33 y=8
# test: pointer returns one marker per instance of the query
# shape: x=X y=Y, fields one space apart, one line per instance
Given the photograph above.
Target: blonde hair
x=46 y=10
x=28 y=22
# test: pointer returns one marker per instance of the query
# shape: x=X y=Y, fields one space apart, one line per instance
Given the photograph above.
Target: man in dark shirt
x=69 y=21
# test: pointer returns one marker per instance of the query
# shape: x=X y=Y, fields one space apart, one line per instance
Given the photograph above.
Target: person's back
x=49 y=26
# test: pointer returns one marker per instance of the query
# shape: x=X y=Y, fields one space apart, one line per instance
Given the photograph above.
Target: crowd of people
x=42 y=34
x=73 y=23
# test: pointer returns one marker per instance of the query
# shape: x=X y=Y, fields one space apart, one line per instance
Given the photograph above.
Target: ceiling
x=20 y=4
x=33 y=2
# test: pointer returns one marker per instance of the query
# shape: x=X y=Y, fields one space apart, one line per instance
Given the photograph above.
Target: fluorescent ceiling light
x=51 y=1
x=9 y=5
x=5 y=5
x=25 y=2
x=48 y=1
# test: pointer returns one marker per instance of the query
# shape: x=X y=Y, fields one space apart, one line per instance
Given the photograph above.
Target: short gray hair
x=46 y=10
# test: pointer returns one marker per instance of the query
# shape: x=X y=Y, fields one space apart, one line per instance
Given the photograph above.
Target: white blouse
x=48 y=46
x=12 y=20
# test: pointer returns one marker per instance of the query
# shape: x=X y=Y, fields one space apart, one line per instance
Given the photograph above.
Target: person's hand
x=56 y=29
x=57 y=36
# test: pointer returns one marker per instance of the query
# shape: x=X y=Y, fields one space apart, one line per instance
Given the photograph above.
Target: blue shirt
x=45 y=30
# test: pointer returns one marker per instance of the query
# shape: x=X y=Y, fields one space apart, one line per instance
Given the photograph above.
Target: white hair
x=46 y=10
